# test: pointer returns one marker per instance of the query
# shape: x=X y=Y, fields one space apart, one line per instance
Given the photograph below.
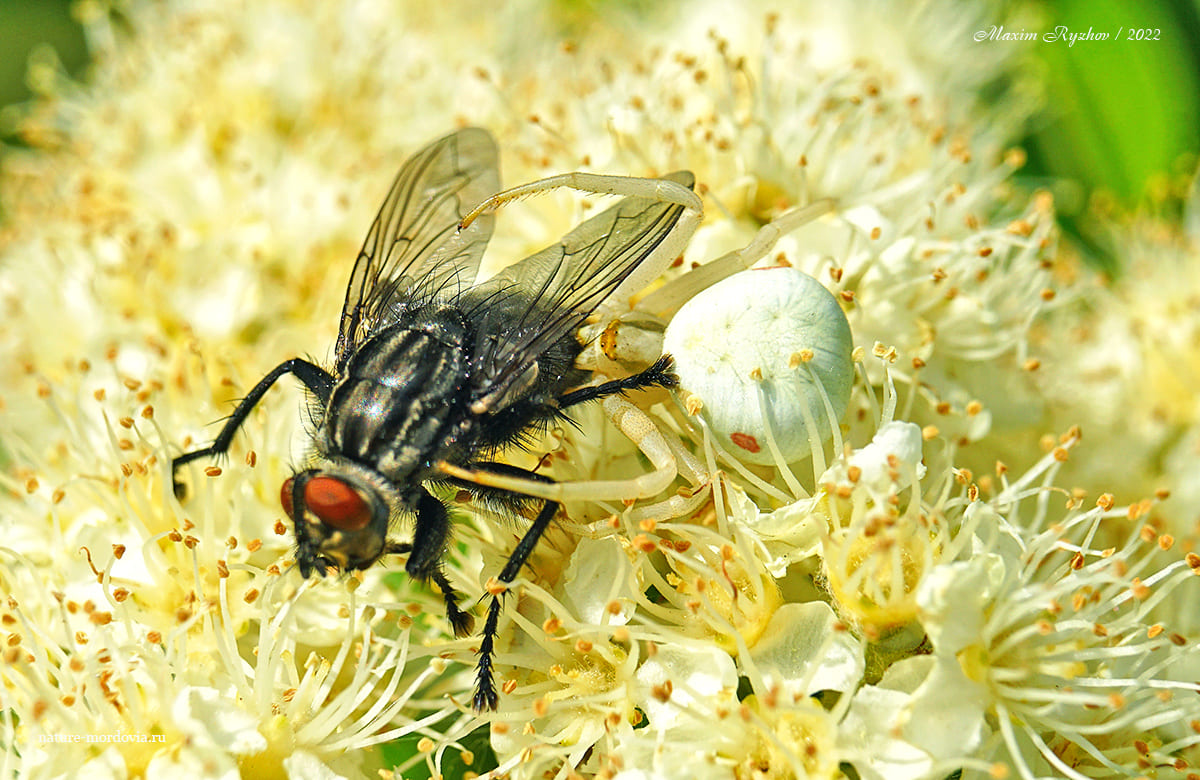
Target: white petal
x=193 y=761
x=596 y=576
x=695 y=673
x=803 y=651
x=790 y=533
x=307 y=766
x=945 y=715
x=109 y=765
x=896 y=440
x=214 y=718
x=879 y=754
x=953 y=599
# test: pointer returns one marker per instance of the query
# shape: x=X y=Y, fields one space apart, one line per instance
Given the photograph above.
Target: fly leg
x=318 y=381
x=460 y=621
x=657 y=375
x=485 y=682
x=425 y=558
x=486 y=697
x=513 y=493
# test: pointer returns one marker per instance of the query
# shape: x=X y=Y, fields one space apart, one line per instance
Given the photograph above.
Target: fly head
x=340 y=519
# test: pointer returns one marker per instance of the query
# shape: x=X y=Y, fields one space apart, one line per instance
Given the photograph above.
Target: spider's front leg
x=674 y=188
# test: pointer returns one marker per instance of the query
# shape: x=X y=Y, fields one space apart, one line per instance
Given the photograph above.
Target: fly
x=434 y=376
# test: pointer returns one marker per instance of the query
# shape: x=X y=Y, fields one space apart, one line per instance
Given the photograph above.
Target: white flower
x=1120 y=362
x=804 y=650
x=177 y=229
x=887 y=530
x=169 y=645
x=892 y=461
x=1045 y=654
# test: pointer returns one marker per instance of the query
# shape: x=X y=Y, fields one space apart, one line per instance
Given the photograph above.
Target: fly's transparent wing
x=414 y=249
x=550 y=294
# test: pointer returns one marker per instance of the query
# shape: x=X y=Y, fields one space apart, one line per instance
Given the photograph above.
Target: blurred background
x=1119 y=133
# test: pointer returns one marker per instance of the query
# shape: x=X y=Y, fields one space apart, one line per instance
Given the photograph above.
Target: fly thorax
x=398 y=401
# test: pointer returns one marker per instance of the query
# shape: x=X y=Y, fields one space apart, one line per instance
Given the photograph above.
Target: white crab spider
x=641 y=343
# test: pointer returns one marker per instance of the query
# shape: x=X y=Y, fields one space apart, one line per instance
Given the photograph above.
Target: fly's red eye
x=337 y=504
x=285 y=496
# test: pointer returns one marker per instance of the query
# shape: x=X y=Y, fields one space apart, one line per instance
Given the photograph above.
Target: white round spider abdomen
x=753 y=349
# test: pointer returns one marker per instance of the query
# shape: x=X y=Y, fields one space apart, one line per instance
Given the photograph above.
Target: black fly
x=432 y=372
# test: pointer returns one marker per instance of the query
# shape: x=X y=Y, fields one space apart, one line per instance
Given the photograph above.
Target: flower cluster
x=871 y=558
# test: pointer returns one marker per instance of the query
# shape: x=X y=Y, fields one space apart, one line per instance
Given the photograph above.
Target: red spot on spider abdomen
x=745 y=441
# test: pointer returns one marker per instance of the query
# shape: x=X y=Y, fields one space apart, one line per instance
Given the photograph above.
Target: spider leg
x=663 y=455
x=665 y=190
x=666 y=300
x=621 y=338
x=674 y=188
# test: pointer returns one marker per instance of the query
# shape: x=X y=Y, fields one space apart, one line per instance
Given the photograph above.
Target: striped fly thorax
x=400 y=395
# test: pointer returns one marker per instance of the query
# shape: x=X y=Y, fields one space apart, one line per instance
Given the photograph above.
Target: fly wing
x=414 y=250
x=554 y=291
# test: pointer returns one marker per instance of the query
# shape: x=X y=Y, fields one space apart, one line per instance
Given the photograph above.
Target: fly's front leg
x=425 y=560
x=319 y=381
